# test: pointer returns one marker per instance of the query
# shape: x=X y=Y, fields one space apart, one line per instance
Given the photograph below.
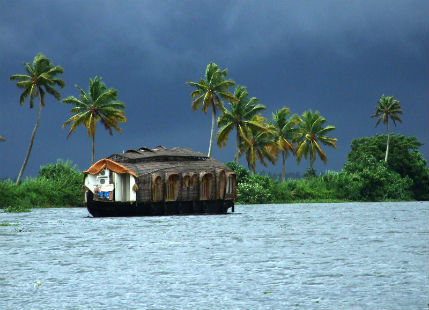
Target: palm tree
x=239 y=118
x=209 y=92
x=285 y=133
x=40 y=79
x=387 y=108
x=258 y=145
x=311 y=132
x=99 y=104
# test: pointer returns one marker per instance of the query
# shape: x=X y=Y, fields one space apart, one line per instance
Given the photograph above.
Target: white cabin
x=108 y=185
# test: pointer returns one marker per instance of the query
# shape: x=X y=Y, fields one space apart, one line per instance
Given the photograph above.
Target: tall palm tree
x=209 y=92
x=258 y=145
x=387 y=108
x=285 y=134
x=311 y=132
x=40 y=79
x=99 y=104
x=239 y=118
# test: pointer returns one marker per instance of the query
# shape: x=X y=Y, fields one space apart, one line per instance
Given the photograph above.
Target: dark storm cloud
x=334 y=56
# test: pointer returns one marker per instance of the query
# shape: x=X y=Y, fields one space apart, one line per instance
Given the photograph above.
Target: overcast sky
x=337 y=57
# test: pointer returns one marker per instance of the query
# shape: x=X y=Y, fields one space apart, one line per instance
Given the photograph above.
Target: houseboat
x=159 y=181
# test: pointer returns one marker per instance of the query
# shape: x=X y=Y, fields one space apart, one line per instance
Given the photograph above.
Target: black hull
x=115 y=209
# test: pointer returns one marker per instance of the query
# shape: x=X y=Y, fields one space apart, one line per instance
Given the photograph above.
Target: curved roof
x=108 y=164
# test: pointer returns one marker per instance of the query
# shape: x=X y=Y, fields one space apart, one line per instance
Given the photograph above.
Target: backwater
x=288 y=256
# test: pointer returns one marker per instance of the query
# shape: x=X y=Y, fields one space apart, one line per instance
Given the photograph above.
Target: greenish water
x=297 y=256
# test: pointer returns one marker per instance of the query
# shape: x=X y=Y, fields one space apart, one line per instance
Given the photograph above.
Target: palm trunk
x=388 y=141
x=284 y=166
x=237 y=148
x=93 y=149
x=211 y=133
x=18 y=180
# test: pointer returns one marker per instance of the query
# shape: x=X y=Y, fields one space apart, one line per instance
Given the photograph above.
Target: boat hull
x=116 y=209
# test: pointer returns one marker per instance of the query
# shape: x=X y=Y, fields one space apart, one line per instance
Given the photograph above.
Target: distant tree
x=285 y=134
x=239 y=118
x=405 y=159
x=40 y=79
x=387 y=108
x=209 y=92
x=258 y=145
x=311 y=133
x=99 y=104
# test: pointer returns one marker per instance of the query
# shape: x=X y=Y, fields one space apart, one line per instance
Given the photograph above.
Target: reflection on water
x=312 y=256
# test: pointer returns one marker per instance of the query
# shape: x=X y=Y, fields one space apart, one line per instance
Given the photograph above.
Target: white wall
x=123 y=184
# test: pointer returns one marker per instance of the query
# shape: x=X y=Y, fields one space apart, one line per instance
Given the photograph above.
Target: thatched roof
x=160 y=159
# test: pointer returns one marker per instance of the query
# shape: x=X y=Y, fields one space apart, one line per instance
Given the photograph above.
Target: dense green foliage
x=56 y=185
x=365 y=177
x=404 y=159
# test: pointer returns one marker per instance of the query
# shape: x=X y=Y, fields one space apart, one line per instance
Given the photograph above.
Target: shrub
x=404 y=159
x=57 y=185
x=256 y=189
x=372 y=180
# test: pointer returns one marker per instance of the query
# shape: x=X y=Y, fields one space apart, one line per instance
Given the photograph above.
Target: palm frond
x=197 y=102
x=20 y=77
x=106 y=96
x=53 y=92
x=222 y=134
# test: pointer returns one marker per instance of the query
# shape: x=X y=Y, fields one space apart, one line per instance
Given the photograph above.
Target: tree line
x=258 y=138
x=261 y=139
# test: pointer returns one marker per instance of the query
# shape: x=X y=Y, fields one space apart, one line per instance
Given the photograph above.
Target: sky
x=337 y=57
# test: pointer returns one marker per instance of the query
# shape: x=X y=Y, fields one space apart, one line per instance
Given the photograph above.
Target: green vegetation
x=404 y=160
x=57 y=185
x=365 y=177
x=239 y=117
x=7 y=224
x=99 y=104
x=38 y=81
x=285 y=133
x=258 y=138
x=258 y=145
x=387 y=108
x=312 y=133
x=209 y=92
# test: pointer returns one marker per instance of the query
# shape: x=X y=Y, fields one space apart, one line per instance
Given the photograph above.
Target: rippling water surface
x=297 y=256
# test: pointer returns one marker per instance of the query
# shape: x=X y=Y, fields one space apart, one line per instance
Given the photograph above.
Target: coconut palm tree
x=209 y=92
x=311 y=133
x=239 y=118
x=285 y=134
x=39 y=80
x=387 y=108
x=258 y=144
x=99 y=104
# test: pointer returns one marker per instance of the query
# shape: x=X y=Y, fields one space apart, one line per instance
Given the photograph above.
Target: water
x=298 y=256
